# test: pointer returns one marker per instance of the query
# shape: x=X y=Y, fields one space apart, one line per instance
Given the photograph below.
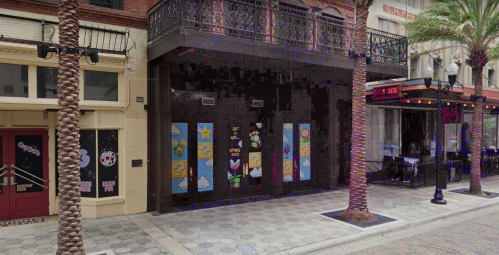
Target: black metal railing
x=95 y=38
x=417 y=175
x=258 y=20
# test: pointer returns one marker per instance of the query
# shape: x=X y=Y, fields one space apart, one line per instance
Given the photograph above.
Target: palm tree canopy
x=474 y=23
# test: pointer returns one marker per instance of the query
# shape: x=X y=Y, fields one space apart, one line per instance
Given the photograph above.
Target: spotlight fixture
x=448 y=103
x=44 y=49
x=408 y=101
x=94 y=55
x=487 y=107
x=464 y=105
x=472 y=105
x=419 y=101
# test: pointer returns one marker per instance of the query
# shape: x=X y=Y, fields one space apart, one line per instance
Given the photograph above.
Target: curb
x=391 y=228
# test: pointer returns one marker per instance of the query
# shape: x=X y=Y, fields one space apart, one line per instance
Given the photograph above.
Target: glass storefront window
x=46 y=82
x=382 y=133
x=489 y=132
x=14 y=81
x=101 y=86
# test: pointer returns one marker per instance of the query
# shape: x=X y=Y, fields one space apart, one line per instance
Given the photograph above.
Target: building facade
x=252 y=98
x=393 y=125
x=113 y=96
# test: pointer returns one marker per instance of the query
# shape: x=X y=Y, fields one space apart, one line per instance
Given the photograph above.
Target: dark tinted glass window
x=46 y=82
x=14 y=80
x=113 y=4
x=102 y=86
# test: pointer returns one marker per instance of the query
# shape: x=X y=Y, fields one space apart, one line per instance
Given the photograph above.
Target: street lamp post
x=452 y=69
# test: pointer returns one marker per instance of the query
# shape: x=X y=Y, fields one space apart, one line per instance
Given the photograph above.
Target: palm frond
x=493 y=53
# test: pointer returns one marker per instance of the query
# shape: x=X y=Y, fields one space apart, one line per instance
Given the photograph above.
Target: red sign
x=388 y=91
x=452 y=114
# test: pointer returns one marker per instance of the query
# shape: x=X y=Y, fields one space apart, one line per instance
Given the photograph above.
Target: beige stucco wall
x=447 y=55
x=127 y=115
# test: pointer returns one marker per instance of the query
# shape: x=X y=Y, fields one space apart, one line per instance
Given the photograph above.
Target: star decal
x=205 y=133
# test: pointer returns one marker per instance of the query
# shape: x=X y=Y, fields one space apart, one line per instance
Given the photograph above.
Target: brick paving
x=267 y=226
x=476 y=236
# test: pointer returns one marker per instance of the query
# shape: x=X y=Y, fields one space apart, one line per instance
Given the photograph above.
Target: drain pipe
x=43 y=30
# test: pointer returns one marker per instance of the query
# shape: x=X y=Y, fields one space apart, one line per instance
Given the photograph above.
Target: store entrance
x=23 y=174
x=413 y=132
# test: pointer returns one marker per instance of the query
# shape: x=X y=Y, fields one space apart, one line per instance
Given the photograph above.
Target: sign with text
x=388 y=91
x=452 y=113
x=398 y=12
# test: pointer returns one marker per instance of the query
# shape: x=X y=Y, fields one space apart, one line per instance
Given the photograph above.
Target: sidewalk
x=285 y=226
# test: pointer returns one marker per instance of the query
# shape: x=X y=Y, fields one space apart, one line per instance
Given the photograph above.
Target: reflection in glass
x=46 y=82
x=489 y=131
x=102 y=86
x=14 y=80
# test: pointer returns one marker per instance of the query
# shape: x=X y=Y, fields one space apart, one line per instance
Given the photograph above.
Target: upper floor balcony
x=262 y=28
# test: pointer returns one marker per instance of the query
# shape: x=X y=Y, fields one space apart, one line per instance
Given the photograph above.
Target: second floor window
x=113 y=4
x=388 y=26
x=101 y=86
x=414 y=3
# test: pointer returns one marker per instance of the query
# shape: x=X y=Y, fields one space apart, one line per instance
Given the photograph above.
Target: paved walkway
x=285 y=226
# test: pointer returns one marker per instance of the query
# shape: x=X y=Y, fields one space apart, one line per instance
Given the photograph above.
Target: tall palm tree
x=473 y=23
x=357 y=208
x=69 y=239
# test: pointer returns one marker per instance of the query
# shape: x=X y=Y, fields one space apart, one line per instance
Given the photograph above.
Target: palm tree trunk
x=357 y=209
x=475 y=186
x=69 y=239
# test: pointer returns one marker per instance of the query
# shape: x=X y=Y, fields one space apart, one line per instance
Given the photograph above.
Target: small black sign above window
x=136 y=162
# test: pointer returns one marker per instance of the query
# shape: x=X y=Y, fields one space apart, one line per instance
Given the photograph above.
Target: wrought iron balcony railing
x=259 y=20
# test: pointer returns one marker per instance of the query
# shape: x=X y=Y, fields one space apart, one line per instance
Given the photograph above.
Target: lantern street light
x=452 y=69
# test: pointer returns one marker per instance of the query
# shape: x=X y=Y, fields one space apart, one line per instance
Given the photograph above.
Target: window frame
x=83 y=81
x=120 y=4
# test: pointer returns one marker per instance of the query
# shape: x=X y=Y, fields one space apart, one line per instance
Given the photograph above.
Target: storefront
x=111 y=184
x=259 y=106
x=403 y=123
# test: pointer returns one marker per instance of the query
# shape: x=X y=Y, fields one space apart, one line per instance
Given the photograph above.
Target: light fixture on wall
x=45 y=115
x=93 y=54
x=44 y=49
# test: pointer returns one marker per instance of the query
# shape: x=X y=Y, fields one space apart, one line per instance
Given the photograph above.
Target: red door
x=24 y=163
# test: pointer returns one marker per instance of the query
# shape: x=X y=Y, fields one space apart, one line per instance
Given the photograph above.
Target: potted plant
x=235 y=181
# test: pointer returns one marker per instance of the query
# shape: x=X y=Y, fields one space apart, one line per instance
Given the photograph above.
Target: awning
x=413 y=93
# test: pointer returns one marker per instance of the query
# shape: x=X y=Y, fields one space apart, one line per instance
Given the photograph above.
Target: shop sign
x=452 y=114
x=398 y=12
x=388 y=91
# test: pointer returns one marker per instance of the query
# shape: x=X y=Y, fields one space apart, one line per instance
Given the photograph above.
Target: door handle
x=5 y=181
x=12 y=181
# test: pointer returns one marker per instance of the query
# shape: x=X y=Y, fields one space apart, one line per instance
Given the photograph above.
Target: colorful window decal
x=287 y=151
x=179 y=158
x=108 y=163
x=305 y=164
x=236 y=145
x=205 y=156
x=255 y=155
